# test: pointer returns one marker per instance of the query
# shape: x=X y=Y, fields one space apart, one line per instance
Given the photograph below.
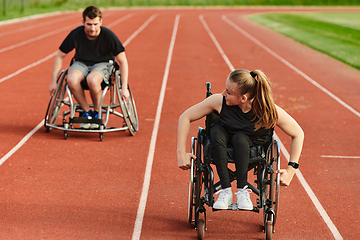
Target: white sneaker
x=224 y=200
x=243 y=199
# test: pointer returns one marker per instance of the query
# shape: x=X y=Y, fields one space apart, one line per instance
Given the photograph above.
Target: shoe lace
x=243 y=194
x=222 y=194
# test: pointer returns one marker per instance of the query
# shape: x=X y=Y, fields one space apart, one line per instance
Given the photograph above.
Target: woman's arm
x=293 y=129
x=194 y=113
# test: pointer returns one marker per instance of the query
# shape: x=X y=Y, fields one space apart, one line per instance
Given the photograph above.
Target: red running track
x=130 y=187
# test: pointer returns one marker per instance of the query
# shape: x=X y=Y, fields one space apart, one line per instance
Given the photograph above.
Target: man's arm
x=59 y=58
x=124 y=73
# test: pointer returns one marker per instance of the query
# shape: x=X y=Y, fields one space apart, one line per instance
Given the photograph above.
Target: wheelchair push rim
x=271 y=189
x=56 y=101
x=191 y=205
x=128 y=108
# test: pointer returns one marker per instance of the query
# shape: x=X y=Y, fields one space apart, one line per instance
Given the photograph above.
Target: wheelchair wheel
x=128 y=108
x=191 y=205
x=271 y=188
x=55 y=102
x=269 y=228
x=201 y=229
x=277 y=179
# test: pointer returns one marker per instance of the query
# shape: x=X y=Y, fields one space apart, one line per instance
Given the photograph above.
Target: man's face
x=92 y=27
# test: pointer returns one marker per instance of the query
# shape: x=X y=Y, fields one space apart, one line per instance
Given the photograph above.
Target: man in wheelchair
x=96 y=48
x=247 y=117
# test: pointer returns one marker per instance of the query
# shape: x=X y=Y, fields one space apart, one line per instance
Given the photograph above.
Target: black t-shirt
x=233 y=119
x=102 y=49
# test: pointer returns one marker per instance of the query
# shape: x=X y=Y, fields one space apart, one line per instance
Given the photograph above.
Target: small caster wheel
x=268 y=230
x=66 y=134
x=101 y=136
x=201 y=229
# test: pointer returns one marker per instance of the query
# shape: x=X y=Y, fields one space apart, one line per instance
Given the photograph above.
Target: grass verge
x=336 y=34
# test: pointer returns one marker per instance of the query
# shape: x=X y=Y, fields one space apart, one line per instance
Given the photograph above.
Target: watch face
x=294 y=164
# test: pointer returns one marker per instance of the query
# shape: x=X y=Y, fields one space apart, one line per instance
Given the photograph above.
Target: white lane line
x=45 y=23
x=28 y=67
x=22 y=142
x=226 y=59
x=120 y=20
x=290 y=66
x=313 y=197
x=330 y=156
x=35 y=39
x=306 y=186
x=146 y=184
x=140 y=29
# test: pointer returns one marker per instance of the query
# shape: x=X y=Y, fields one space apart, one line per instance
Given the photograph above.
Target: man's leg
x=98 y=73
x=94 y=80
x=74 y=77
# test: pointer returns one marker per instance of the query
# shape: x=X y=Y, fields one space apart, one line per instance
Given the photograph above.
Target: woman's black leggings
x=241 y=143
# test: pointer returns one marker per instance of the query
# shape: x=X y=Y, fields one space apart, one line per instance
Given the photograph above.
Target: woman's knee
x=219 y=137
x=241 y=139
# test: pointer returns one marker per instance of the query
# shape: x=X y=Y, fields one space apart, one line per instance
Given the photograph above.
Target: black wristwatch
x=294 y=165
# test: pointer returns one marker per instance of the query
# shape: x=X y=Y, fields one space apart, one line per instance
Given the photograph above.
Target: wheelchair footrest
x=233 y=207
x=85 y=120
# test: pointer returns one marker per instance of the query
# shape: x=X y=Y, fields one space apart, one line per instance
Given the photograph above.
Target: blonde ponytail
x=258 y=86
x=263 y=104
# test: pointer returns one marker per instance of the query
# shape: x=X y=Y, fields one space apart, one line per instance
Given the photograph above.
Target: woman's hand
x=286 y=176
x=184 y=160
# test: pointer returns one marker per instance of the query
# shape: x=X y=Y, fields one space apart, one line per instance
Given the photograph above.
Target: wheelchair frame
x=63 y=97
x=202 y=187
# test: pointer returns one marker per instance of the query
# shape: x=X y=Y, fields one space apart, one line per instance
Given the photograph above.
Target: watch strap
x=294 y=164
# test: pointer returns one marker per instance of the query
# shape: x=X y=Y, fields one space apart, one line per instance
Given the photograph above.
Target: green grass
x=336 y=34
x=19 y=8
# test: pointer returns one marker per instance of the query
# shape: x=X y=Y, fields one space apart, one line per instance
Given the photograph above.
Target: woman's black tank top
x=233 y=119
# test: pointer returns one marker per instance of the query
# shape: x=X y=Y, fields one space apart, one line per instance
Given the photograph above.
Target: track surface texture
x=130 y=187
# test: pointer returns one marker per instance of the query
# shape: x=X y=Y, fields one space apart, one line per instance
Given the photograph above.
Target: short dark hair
x=92 y=12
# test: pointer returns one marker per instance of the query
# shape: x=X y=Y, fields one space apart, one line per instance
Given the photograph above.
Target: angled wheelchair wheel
x=271 y=188
x=200 y=211
x=128 y=108
x=277 y=179
x=191 y=204
x=55 y=102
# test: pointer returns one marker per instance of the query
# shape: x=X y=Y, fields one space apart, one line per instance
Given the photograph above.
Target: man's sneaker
x=95 y=115
x=87 y=115
x=243 y=199
x=224 y=200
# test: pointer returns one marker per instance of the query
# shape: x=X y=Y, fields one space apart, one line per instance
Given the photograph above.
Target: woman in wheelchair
x=247 y=117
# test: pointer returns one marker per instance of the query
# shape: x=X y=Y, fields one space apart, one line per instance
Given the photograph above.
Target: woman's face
x=232 y=93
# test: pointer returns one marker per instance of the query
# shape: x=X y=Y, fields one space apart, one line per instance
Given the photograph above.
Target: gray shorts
x=105 y=68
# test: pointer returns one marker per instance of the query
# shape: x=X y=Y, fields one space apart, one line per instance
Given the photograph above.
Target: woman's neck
x=246 y=106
